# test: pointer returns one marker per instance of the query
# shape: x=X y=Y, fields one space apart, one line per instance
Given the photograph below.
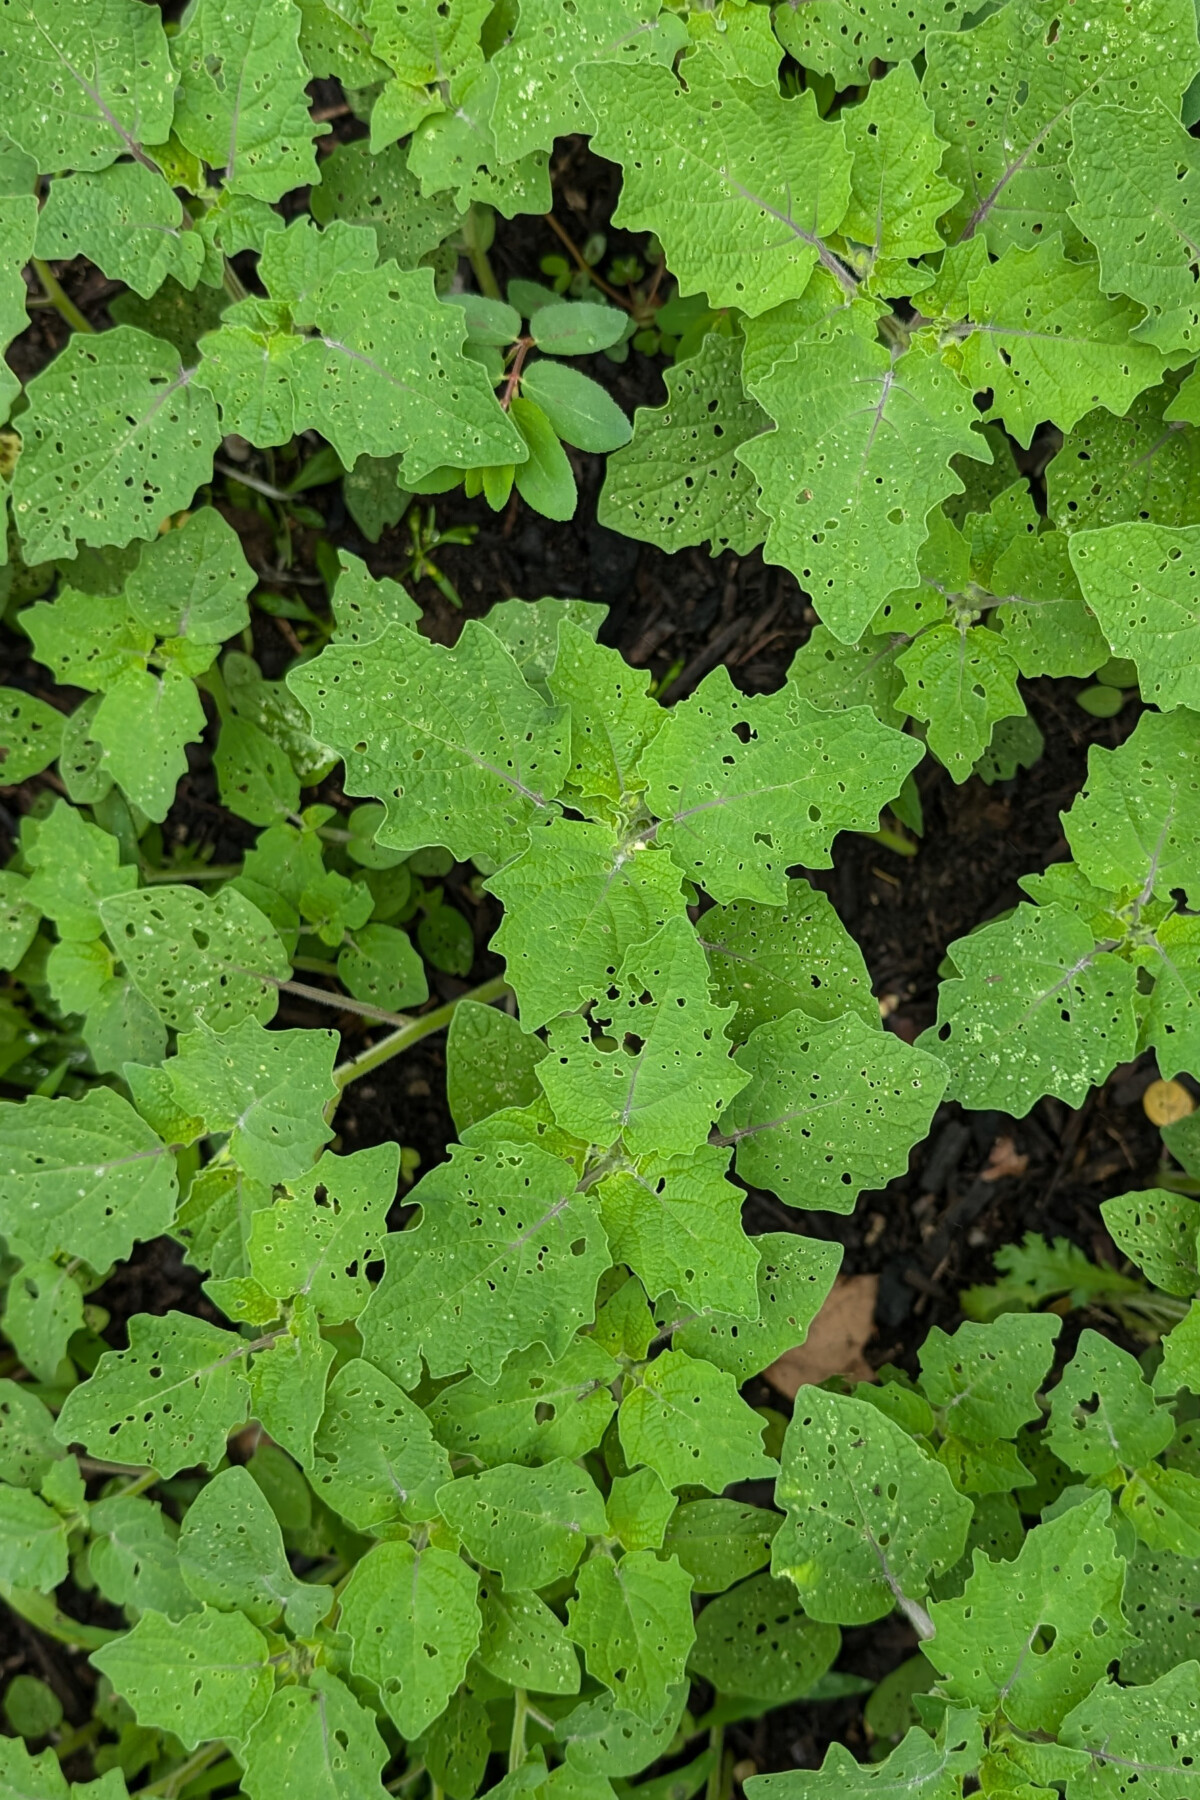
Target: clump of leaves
x=413 y=1495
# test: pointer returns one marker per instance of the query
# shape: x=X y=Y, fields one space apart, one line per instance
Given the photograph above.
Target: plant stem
x=340 y=1002
x=40 y=1610
x=716 y=1743
x=250 y=481
x=197 y=872
x=478 y=258
x=170 y=1784
x=62 y=303
x=71 y=1741
x=398 y=1041
x=585 y=267
x=892 y=840
x=516 y=1747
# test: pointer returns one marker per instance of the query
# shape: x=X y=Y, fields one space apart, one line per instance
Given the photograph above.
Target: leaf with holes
x=870 y=1515
x=507 y=1254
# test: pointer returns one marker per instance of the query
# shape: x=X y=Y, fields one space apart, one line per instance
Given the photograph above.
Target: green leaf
x=267 y=1089
x=422 y=43
x=523 y=1643
x=132 y=1556
x=142 y=725
x=204 y=1676
x=719 y=1542
x=198 y=958
x=1163 y=1506
x=1102 y=1413
x=414 y=1622
x=168 y=1402
x=386 y=373
x=677 y=1222
x=1035 y=1008
x=869 y=1514
x=42 y=1311
x=316 y=1742
x=490 y=1063
x=27 y=1443
x=1138 y=579
x=30 y=735
x=287 y=1382
x=601 y=1737
x=33 y=1541
x=576 y=904
x=896 y=192
x=530 y=1525
x=638 y=1508
x=860 y=456
x=86 y=1177
x=462 y=750
x=739 y=184
x=1049 y=343
x=1157 y=1230
x=141 y=434
x=1004 y=95
x=75 y=866
x=319 y=1238
x=1160 y=1605
x=758 y=1640
x=576 y=327
x=769 y=961
x=539 y=97
x=842 y=41
x=746 y=786
x=1065 y=1583
x=795 y=1275
x=678 y=482
x=1137 y=823
x=984 y=1380
x=84 y=83
x=193 y=582
x=918 y=1769
x=687 y=1421
x=545 y=481
x=374 y=1457
x=255 y=777
x=1143 y=1736
x=831 y=1108
x=127 y=220
x=1135 y=208
x=231 y=1556
x=249 y=367
x=507 y=1254
x=960 y=680
x=88 y=640
x=668 y=1072
x=578 y=409
x=538 y=1408
x=1111 y=470
x=363 y=185
x=633 y=1622
x=18 y=919
x=222 y=55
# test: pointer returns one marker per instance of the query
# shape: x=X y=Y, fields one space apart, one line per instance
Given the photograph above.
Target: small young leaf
x=545 y=481
x=231 y=1556
x=576 y=327
x=578 y=408
x=1103 y=1414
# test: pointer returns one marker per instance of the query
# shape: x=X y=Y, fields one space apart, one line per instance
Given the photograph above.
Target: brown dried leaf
x=1004 y=1159
x=835 y=1341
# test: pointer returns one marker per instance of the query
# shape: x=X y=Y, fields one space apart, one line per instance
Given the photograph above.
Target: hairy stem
x=40 y=1610
x=171 y=1784
x=516 y=1748
x=61 y=301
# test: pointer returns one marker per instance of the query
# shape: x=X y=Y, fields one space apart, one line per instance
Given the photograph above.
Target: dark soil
x=932 y=1231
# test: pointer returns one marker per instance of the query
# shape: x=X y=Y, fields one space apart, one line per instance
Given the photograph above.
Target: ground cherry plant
x=459 y=1486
